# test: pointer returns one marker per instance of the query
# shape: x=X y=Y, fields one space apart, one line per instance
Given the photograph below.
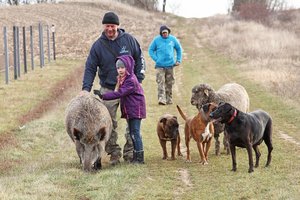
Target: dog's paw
x=250 y=170
x=188 y=161
x=172 y=158
x=203 y=162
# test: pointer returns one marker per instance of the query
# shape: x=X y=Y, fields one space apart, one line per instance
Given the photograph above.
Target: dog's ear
x=213 y=107
x=175 y=117
x=205 y=107
x=163 y=120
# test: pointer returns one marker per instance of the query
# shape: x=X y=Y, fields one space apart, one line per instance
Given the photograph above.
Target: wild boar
x=89 y=125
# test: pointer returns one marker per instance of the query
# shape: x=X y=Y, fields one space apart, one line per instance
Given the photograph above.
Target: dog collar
x=232 y=117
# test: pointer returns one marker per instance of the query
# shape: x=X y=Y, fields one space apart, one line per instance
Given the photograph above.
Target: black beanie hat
x=164 y=27
x=110 y=18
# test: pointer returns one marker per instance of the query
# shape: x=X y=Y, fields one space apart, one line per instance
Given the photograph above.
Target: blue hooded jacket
x=130 y=93
x=103 y=60
x=161 y=50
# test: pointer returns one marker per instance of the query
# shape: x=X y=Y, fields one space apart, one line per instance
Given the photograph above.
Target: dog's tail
x=181 y=113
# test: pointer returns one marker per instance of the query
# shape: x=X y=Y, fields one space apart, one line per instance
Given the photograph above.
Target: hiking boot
x=161 y=103
x=138 y=158
x=169 y=102
x=128 y=148
x=133 y=160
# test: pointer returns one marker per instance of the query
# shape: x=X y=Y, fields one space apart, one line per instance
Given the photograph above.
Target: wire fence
x=24 y=46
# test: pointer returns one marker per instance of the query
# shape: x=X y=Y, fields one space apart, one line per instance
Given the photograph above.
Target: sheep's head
x=201 y=95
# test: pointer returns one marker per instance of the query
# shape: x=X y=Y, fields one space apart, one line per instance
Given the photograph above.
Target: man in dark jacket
x=112 y=43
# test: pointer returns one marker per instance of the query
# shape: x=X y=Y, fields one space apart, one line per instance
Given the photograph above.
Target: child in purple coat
x=132 y=101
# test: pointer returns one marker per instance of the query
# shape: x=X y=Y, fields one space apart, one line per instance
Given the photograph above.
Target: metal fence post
x=6 y=56
x=24 y=50
x=31 y=48
x=18 y=52
x=15 y=52
x=42 y=63
x=48 y=42
x=53 y=41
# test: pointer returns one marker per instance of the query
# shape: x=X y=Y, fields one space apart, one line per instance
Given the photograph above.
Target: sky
x=205 y=8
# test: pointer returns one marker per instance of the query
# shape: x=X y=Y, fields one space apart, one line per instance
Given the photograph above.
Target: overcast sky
x=205 y=8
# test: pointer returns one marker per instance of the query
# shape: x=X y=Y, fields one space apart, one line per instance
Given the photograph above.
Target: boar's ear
x=101 y=133
x=77 y=134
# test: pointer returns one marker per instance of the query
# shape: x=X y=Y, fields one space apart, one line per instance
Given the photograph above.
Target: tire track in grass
x=184 y=177
x=183 y=173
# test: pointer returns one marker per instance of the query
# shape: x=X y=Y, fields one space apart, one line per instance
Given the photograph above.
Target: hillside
x=78 y=24
x=38 y=159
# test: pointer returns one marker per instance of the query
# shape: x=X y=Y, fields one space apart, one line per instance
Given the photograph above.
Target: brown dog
x=167 y=130
x=201 y=129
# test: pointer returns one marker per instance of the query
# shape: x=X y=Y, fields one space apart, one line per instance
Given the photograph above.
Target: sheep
x=232 y=93
x=89 y=125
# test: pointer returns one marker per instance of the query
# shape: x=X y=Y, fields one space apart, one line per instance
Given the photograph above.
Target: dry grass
x=267 y=55
x=16 y=109
x=40 y=161
x=78 y=24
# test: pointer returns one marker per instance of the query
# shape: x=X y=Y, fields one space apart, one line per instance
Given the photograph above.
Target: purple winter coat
x=131 y=93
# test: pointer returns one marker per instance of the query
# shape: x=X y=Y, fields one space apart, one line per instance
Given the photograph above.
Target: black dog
x=245 y=130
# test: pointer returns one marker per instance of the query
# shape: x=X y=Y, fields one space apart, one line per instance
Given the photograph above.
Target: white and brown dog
x=201 y=129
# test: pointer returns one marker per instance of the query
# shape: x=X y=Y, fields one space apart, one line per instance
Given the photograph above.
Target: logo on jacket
x=171 y=43
x=123 y=50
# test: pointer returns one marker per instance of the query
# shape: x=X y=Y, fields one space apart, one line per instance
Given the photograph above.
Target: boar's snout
x=90 y=156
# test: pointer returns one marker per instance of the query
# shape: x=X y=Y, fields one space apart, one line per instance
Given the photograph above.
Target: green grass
x=22 y=95
x=43 y=163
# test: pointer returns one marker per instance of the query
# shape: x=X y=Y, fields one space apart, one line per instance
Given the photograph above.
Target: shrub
x=253 y=11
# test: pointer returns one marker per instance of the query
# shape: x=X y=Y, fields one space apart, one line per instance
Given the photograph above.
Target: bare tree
x=238 y=3
x=144 y=4
x=13 y=2
x=256 y=10
x=272 y=5
x=164 y=5
x=275 y=5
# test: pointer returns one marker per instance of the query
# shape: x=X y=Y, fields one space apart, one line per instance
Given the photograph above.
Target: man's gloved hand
x=97 y=92
x=83 y=92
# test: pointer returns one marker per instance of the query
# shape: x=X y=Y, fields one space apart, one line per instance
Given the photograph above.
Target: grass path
x=42 y=162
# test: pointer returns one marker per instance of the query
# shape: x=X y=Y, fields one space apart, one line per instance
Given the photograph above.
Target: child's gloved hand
x=97 y=92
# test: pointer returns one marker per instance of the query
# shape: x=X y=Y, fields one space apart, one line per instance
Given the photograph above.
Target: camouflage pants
x=112 y=147
x=165 y=80
x=218 y=145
